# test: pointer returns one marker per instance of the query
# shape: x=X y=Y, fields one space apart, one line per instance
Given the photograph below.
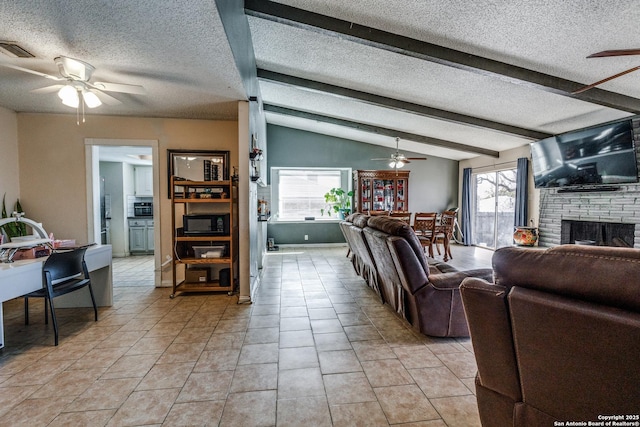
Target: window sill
x=302 y=221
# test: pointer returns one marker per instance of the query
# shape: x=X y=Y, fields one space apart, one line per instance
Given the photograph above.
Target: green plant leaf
x=21 y=226
x=11 y=229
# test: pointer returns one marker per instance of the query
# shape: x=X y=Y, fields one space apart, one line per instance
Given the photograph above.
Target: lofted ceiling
x=453 y=79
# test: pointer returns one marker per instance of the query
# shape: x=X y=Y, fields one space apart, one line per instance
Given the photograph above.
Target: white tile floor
x=133 y=271
x=315 y=348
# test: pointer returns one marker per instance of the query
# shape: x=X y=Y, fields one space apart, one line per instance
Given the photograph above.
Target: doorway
x=122 y=174
x=494 y=208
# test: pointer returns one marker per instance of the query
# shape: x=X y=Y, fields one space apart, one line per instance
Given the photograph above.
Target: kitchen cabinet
x=204 y=219
x=143 y=181
x=381 y=190
x=141 y=236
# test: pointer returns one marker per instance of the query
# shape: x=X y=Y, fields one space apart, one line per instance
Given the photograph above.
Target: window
x=494 y=208
x=299 y=193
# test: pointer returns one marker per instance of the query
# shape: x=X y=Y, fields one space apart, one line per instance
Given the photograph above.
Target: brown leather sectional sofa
x=557 y=336
x=388 y=255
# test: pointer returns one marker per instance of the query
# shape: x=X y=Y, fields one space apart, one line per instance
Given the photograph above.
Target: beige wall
x=52 y=162
x=507 y=160
x=9 y=176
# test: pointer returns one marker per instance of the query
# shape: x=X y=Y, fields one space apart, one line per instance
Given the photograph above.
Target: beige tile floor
x=315 y=348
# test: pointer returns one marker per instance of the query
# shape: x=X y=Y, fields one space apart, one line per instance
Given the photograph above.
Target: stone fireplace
x=599 y=216
x=610 y=209
x=597 y=233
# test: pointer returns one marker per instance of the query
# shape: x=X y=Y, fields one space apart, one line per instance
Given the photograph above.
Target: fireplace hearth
x=601 y=233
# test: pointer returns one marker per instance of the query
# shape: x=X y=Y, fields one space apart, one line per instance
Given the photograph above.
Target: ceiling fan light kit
x=69 y=96
x=91 y=99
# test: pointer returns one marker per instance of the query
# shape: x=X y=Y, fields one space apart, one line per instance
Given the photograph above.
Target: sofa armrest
x=454 y=279
x=486 y=308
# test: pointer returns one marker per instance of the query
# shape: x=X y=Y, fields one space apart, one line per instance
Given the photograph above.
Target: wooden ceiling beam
x=299 y=18
x=379 y=130
x=398 y=105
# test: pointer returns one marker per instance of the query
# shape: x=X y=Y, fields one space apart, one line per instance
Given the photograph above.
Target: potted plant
x=338 y=201
x=12 y=229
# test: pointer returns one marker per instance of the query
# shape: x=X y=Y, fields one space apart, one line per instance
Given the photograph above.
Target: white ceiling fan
x=397 y=159
x=76 y=90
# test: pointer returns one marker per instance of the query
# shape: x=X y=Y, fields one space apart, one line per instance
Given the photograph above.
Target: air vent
x=13 y=50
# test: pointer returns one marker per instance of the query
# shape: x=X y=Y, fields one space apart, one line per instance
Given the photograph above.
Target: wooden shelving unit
x=206 y=198
x=381 y=190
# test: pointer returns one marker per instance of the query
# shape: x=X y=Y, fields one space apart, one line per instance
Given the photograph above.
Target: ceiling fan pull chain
x=82 y=103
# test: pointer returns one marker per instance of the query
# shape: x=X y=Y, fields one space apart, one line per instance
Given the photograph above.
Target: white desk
x=24 y=276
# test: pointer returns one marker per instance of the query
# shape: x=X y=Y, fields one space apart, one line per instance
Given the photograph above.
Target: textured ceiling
x=180 y=53
x=544 y=36
x=177 y=51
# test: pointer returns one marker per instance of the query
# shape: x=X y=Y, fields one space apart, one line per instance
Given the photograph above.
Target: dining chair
x=63 y=272
x=444 y=233
x=424 y=224
x=402 y=216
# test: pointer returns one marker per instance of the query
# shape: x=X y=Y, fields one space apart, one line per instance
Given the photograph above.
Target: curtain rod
x=511 y=162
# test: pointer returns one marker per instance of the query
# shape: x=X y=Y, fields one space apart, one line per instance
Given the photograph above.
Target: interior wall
x=113 y=174
x=433 y=183
x=52 y=162
x=9 y=166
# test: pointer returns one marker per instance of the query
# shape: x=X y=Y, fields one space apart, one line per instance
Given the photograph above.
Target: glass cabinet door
x=366 y=195
x=401 y=195
x=389 y=195
x=378 y=195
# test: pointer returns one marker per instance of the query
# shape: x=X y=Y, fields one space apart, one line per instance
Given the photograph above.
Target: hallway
x=135 y=271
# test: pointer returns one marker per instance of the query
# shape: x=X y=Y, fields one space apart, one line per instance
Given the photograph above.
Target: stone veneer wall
x=621 y=206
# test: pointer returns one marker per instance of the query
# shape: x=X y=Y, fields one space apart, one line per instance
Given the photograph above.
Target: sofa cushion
x=399 y=228
x=360 y=220
x=612 y=279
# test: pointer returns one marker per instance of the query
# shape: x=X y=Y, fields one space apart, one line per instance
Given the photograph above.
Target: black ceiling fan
x=606 y=54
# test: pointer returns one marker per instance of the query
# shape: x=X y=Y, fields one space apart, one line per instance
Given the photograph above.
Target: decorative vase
x=525 y=236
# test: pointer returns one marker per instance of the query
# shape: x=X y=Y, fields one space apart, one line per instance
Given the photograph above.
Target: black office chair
x=63 y=272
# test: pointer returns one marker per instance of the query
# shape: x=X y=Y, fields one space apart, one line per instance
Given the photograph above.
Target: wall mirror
x=198 y=165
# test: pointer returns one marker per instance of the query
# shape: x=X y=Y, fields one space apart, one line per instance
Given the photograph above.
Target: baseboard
x=314 y=245
x=243 y=299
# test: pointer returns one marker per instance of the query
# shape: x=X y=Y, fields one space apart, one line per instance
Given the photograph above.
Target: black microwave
x=205 y=224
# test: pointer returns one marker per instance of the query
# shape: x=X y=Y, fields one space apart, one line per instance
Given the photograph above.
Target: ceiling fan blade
x=416 y=158
x=119 y=87
x=28 y=70
x=385 y=158
x=582 y=89
x=105 y=98
x=47 y=89
x=620 y=52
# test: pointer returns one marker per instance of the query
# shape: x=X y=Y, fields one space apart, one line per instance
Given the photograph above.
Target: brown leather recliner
x=557 y=337
x=363 y=262
x=430 y=302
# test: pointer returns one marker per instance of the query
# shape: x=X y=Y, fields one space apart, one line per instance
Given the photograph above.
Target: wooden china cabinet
x=381 y=190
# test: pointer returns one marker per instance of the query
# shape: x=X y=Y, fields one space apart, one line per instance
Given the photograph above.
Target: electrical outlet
x=306 y=237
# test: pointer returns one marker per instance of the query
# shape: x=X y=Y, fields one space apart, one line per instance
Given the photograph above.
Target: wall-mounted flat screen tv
x=603 y=154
